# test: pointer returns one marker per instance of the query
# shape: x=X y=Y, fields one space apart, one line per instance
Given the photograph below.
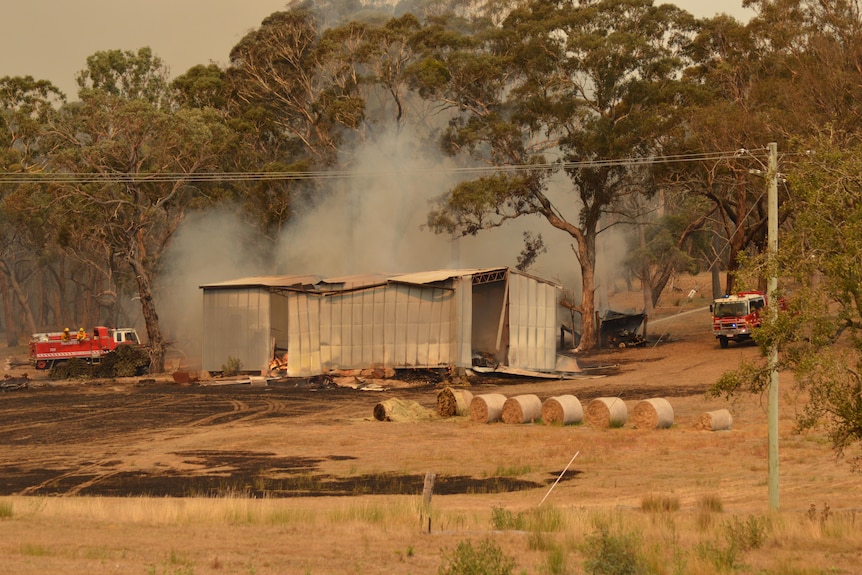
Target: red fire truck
x=735 y=317
x=49 y=349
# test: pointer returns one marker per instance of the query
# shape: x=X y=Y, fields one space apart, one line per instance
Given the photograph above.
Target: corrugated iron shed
x=427 y=319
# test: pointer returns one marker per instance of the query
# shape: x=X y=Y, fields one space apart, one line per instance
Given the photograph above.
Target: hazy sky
x=51 y=39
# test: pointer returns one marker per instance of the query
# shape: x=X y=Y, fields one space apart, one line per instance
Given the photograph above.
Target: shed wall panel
x=303 y=335
x=236 y=325
x=395 y=325
x=532 y=323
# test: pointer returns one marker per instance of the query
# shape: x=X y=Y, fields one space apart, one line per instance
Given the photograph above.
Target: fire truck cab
x=735 y=317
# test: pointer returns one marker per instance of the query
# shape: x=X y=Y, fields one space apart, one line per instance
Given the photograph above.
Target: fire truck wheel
x=41 y=364
x=722 y=341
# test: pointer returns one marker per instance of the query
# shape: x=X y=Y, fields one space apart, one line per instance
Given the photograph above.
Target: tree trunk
x=18 y=290
x=8 y=316
x=155 y=340
x=589 y=329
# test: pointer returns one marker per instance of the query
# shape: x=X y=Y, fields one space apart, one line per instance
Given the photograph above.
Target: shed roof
x=359 y=281
x=267 y=281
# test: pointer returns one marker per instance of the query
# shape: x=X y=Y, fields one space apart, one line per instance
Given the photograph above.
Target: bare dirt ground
x=315 y=443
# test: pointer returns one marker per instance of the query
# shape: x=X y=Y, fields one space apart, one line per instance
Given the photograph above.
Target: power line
x=161 y=177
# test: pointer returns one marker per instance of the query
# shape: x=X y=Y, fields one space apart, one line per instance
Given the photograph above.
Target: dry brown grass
x=717 y=479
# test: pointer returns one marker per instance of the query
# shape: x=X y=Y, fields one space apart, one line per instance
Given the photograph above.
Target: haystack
x=487 y=407
x=656 y=413
x=607 y=412
x=452 y=402
x=525 y=408
x=562 y=409
x=718 y=420
x=401 y=410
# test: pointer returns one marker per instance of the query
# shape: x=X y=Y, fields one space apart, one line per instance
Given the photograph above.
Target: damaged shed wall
x=391 y=325
x=236 y=325
x=428 y=319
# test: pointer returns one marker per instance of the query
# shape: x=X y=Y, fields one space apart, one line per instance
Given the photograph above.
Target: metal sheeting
x=268 y=281
x=236 y=325
x=532 y=323
x=303 y=325
x=396 y=325
x=430 y=319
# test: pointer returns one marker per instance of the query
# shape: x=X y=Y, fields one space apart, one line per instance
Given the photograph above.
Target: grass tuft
x=659 y=503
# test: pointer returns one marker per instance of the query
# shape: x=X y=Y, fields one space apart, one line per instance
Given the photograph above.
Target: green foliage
x=747 y=534
x=487 y=558
x=740 y=536
x=125 y=361
x=503 y=519
x=819 y=334
x=6 y=511
x=613 y=550
x=71 y=369
x=232 y=366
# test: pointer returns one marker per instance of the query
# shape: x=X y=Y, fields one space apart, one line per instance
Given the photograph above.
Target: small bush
x=125 y=361
x=502 y=519
x=613 y=553
x=71 y=369
x=231 y=367
x=723 y=559
x=485 y=559
x=747 y=535
x=5 y=510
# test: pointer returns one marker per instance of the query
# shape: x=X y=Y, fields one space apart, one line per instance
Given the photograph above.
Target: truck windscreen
x=731 y=309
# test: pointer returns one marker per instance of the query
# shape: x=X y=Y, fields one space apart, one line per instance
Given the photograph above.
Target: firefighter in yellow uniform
x=82 y=335
x=66 y=336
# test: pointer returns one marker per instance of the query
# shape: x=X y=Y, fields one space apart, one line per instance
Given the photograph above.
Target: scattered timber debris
x=10 y=383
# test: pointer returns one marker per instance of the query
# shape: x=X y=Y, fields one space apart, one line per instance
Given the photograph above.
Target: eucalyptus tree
x=591 y=83
x=726 y=124
x=26 y=107
x=131 y=162
x=820 y=261
x=305 y=81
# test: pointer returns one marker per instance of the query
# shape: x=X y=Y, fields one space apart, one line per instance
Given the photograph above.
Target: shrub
x=502 y=519
x=5 y=510
x=485 y=559
x=71 y=369
x=125 y=361
x=231 y=367
x=613 y=553
x=747 y=535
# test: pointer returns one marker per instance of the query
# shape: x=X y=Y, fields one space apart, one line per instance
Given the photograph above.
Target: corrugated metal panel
x=388 y=326
x=463 y=328
x=236 y=325
x=532 y=323
x=303 y=335
x=267 y=281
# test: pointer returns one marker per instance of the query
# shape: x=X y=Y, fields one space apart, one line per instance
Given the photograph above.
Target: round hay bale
x=606 y=412
x=719 y=420
x=487 y=407
x=525 y=408
x=562 y=409
x=655 y=413
x=400 y=410
x=452 y=402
